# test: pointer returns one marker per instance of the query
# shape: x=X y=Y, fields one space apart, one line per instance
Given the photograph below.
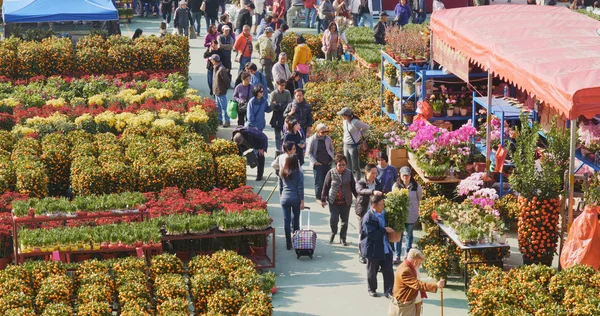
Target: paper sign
x=451 y=59
x=140 y=252
x=56 y=255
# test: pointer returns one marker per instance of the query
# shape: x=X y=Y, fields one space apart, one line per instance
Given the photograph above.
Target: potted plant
x=539 y=190
x=391 y=75
x=437 y=261
x=231 y=222
x=257 y=220
x=450 y=111
x=437 y=106
x=435 y=172
x=396 y=209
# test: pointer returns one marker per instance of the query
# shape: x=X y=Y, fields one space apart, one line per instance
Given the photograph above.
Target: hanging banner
x=450 y=59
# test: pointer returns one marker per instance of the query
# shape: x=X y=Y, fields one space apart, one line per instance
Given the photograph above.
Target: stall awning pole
x=488 y=128
x=573 y=129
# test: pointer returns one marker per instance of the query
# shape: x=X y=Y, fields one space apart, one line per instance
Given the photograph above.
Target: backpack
x=363 y=7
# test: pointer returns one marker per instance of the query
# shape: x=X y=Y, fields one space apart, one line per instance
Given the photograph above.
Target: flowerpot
x=437 y=114
x=389 y=108
x=424 y=226
x=82 y=257
x=463 y=174
x=470 y=168
x=457 y=110
x=183 y=255
x=87 y=247
x=212 y=137
x=108 y=256
x=392 y=82
x=258 y=251
x=4 y=262
x=501 y=239
x=81 y=213
x=450 y=112
x=407 y=118
x=464 y=111
x=479 y=166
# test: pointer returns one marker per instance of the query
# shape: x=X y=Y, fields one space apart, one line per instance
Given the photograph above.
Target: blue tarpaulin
x=32 y=11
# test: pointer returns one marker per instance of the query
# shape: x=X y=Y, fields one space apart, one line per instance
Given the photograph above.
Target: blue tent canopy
x=32 y=11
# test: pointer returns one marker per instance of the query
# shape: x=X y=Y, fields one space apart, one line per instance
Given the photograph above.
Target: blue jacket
x=256 y=112
x=259 y=78
x=292 y=188
x=255 y=138
x=372 y=237
x=402 y=13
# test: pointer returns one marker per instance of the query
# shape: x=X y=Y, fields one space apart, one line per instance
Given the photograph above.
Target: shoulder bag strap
x=349 y=133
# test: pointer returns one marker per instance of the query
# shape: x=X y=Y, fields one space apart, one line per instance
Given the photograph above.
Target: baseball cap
x=405 y=171
x=346 y=111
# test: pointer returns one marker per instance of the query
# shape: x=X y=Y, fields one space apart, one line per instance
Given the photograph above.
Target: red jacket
x=310 y=4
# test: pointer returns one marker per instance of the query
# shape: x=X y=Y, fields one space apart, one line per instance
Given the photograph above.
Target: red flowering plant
x=5 y=234
x=7 y=198
x=170 y=201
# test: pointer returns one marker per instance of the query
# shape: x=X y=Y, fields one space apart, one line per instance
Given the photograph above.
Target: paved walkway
x=334 y=282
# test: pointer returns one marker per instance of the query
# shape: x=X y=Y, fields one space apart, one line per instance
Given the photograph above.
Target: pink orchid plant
x=589 y=136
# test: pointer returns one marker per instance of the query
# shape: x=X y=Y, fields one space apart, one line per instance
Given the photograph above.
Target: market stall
x=554 y=57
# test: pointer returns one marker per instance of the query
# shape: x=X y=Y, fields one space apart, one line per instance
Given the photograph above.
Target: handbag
x=303 y=69
x=232 y=109
x=251 y=158
x=192 y=33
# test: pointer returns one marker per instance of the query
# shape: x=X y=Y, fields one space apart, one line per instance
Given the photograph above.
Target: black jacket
x=244 y=18
x=208 y=53
x=364 y=194
x=277 y=38
x=253 y=136
x=379 y=31
x=212 y=7
x=195 y=5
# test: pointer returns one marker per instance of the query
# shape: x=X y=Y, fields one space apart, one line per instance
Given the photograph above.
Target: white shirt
x=279 y=162
x=259 y=7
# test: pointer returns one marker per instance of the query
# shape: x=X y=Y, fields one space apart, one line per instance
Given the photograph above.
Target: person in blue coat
x=376 y=247
x=402 y=13
x=291 y=190
x=248 y=137
x=256 y=77
x=257 y=107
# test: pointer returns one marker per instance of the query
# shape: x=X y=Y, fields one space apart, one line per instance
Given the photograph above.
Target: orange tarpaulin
x=583 y=244
x=551 y=52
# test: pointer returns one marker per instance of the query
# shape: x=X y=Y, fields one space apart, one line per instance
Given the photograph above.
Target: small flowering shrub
x=231 y=171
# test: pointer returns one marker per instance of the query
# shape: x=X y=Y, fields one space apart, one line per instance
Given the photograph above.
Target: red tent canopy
x=551 y=52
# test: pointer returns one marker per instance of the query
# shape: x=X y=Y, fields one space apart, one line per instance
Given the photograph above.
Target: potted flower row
x=189 y=224
x=113 y=236
x=81 y=206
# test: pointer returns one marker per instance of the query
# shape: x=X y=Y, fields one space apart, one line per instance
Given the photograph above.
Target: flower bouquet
x=589 y=137
x=396 y=210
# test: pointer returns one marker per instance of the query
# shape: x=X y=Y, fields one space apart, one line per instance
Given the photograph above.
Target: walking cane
x=263 y=185
x=442 y=301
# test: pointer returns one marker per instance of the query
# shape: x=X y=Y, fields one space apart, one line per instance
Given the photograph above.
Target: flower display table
x=18 y=221
x=448 y=233
x=413 y=163
x=261 y=258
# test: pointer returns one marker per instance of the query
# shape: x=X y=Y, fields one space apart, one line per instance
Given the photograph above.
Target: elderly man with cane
x=408 y=290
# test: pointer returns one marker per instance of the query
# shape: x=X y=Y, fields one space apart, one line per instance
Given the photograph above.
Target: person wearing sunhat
x=379 y=29
x=415 y=193
x=319 y=148
x=354 y=130
x=264 y=45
